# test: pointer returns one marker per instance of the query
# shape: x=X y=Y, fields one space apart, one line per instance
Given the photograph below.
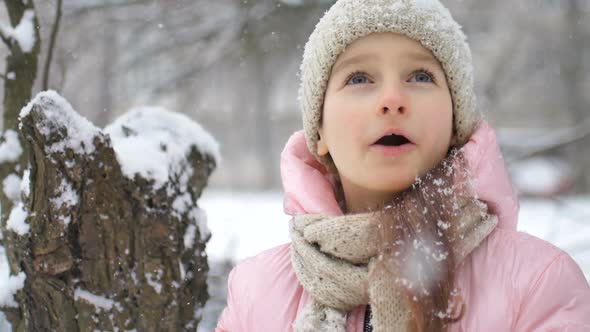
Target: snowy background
x=565 y=222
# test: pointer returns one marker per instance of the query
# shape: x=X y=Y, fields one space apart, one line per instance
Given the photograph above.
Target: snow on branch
x=153 y=142
x=80 y=133
x=17 y=220
x=23 y=33
x=10 y=149
x=10 y=283
x=96 y=300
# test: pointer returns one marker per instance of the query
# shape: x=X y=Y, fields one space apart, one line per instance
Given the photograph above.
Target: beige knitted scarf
x=335 y=257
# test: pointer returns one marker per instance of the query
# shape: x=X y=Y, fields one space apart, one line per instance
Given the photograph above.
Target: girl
x=404 y=216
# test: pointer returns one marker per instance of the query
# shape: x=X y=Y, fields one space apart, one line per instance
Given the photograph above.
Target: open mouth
x=392 y=140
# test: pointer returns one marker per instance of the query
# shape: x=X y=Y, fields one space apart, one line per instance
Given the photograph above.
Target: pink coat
x=511 y=282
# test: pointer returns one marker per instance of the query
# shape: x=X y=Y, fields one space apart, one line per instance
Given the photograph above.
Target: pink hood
x=511 y=282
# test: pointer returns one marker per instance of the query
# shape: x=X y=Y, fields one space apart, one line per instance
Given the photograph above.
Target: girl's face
x=381 y=84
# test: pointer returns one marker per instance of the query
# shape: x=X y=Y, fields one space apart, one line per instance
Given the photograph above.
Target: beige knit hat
x=426 y=21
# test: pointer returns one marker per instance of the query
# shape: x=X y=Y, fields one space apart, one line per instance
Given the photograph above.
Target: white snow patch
x=66 y=220
x=182 y=270
x=9 y=284
x=9 y=287
x=24 y=32
x=11 y=187
x=58 y=111
x=181 y=204
x=67 y=197
x=10 y=149
x=96 y=300
x=154 y=280
x=200 y=217
x=189 y=236
x=152 y=142
x=25 y=185
x=11 y=75
x=17 y=220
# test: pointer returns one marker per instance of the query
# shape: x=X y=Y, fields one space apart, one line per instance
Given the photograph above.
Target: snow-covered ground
x=244 y=224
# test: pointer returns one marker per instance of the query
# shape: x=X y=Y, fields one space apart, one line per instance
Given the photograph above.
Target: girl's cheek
x=354 y=125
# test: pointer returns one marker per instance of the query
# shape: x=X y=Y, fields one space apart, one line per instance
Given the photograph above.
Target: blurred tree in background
x=85 y=246
x=232 y=64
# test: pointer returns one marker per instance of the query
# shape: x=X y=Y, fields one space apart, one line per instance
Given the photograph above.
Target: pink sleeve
x=559 y=299
x=230 y=319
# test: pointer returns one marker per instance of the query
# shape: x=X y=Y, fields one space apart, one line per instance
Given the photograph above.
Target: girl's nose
x=399 y=110
x=393 y=100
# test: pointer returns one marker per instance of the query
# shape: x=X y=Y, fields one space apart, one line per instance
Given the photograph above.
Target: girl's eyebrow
x=412 y=55
x=352 y=60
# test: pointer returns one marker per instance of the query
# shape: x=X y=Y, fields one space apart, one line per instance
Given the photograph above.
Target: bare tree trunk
x=20 y=73
x=105 y=252
x=17 y=91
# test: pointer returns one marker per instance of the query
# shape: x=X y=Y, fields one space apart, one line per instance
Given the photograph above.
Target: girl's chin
x=390 y=183
x=391 y=188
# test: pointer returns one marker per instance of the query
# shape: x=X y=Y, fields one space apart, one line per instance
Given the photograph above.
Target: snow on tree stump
x=109 y=234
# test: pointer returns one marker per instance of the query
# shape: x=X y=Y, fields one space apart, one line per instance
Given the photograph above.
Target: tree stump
x=107 y=244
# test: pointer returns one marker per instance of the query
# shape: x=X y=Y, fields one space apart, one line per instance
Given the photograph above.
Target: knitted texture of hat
x=426 y=21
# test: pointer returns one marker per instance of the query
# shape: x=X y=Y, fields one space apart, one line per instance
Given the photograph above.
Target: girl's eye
x=357 y=78
x=422 y=76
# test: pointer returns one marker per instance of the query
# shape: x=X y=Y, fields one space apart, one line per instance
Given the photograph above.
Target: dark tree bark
x=116 y=257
